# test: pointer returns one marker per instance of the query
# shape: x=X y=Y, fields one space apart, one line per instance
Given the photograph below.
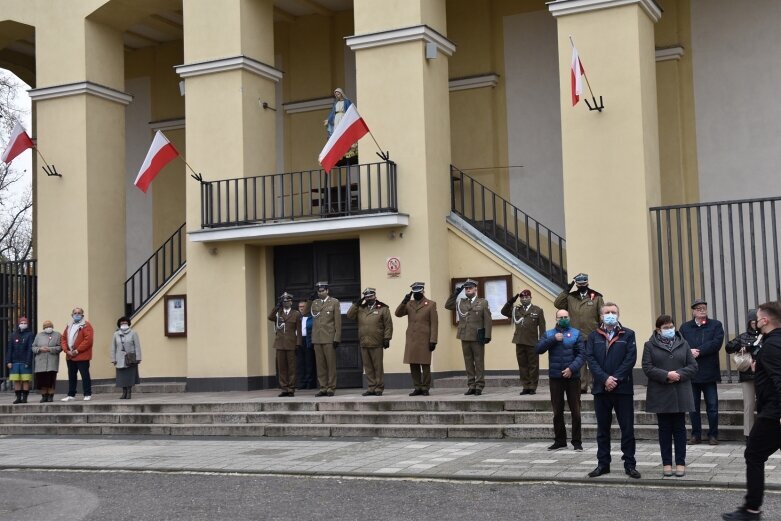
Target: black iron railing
x=18 y=298
x=158 y=269
x=516 y=231
x=725 y=252
x=309 y=194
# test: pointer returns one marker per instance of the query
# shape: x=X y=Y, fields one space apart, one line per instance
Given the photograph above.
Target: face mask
x=124 y=327
x=417 y=296
x=563 y=322
x=77 y=317
x=583 y=289
x=526 y=301
x=22 y=327
x=669 y=334
x=48 y=330
x=287 y=304
x=610 y=319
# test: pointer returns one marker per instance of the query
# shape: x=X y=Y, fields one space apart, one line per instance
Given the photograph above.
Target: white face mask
x=22 y=327
x=48 y=330
x=124 y=327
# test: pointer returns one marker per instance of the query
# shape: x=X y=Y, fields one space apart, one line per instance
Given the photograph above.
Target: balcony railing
x=309 y=194
x=516 y=231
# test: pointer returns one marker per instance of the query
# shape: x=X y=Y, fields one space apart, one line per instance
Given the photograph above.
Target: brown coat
x=326 y=320
x=472 y=316
x=287 y=329
x=422 y=329
x=529 y=324
x=374 y=325
x=583 y=312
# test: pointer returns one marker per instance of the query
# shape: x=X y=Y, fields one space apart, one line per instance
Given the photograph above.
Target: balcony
x=309 y=202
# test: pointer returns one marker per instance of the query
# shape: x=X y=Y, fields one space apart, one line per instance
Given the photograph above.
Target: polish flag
x=18 y=143
x=349 y=130
x=576 y=76
x=160 y=154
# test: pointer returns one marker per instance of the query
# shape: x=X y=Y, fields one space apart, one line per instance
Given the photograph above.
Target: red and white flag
x=576 y=76
x=349 y=130
x=160 y=154
x=18 y=143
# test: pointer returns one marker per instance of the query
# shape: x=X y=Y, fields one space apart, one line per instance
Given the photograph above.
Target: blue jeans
x=672 y=429
x=708 y=390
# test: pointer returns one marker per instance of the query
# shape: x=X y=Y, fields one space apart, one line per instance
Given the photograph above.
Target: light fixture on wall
x=431 y=50
x=181 y=88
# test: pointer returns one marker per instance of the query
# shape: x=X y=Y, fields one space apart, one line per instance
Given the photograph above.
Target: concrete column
x=611 y=159
x=79 y=112
x=404 y=99
x=228 y=50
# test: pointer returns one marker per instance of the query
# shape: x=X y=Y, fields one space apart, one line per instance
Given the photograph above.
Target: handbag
x=130 y=359
x=742 y=360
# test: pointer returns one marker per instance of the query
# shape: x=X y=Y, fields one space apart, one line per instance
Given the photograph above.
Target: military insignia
x=569 y=334
x=425 y=303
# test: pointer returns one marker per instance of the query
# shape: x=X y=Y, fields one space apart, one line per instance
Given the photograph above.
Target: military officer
x=422 y=329
x=474 y=331
x=529 y=323
x=326 y=333
x=287 y=327
x=375 y=329
x=583 y=305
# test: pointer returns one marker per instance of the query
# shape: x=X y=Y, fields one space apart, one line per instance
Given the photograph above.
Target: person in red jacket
x=77 y=345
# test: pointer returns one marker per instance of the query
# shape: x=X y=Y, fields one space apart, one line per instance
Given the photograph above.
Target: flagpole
x=588 y=84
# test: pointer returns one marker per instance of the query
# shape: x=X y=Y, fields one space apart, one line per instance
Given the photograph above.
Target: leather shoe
x=632 y=473
x=557 y=446
x=424 y=393
x=469 y=391
x=599 y=471
x=741 y=514
x=525 y=391
x=283 y=394
x=368 y=393
x=416 y=392
x=321 y=393
x=713 y=441
x=532 y=391
x=694 y=441
x=329 y=393
x=478 y=392
x=377 y=393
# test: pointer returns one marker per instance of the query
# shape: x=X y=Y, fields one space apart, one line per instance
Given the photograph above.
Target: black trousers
x=764 y=440
x=559 y=387
x=305 y=368
x=82 y=367
x=672 y=429
x=623 y=404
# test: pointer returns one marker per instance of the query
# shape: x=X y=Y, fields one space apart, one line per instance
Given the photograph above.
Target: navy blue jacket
x=616 y=359
x=567 y=353
x=308 y=337
x=20 y=347
x=708 y=339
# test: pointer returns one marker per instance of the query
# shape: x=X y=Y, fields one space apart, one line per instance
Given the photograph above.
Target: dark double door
x=296 y=270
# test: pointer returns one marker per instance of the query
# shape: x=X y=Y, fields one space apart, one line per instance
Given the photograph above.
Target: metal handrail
x=516 y=231
x=155 y=272
x=308 y=194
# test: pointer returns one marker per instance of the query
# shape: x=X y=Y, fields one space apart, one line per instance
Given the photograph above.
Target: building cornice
x=79 y=88
x=567 y=7
x=474 y=82
x=167 y=124
x=311 y=105
x=189 y=70
x=405 y=34
x=669 y=53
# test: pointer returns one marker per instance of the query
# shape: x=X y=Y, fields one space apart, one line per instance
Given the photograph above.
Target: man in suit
x=326 y=334
x=287 y=329
x=305 y=354
x=422 y=331
x=611 y=351
x=474 y=331
x=529 y=323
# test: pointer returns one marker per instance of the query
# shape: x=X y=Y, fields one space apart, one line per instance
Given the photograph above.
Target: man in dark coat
x=611 y=352
x=765 y=437
x=422 y=334
x=529 y=323
x=705 y=336
x=305 y=354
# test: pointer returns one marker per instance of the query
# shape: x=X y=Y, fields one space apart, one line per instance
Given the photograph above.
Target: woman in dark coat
x=669 y=365
x=747 y=341
x=124 y=342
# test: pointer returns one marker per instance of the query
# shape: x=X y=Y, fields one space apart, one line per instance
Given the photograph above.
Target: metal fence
x=18 y=298
x=309 y=194
x=725 y=252
x=516 y=231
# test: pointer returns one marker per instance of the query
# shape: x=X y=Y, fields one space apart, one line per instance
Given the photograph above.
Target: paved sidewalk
x=504 y=460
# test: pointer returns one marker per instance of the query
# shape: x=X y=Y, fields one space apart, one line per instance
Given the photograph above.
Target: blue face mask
x=669 y=334
x=77 y=317
x=609 y=319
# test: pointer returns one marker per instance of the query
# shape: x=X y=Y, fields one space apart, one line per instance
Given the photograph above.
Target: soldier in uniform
x=583 y=305
x=375 y=329
x=287 y=326
x=422 y=329
x=474 y=331
x=326 y=334
x=529 y=323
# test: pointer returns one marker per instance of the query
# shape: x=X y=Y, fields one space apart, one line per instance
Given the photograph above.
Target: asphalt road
x=138 y=496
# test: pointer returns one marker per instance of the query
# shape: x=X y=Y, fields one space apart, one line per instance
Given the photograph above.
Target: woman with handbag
x=125 y=354
x=743 y=348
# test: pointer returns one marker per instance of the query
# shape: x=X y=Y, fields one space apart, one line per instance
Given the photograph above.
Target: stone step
x=144 y=387
x=527 y=431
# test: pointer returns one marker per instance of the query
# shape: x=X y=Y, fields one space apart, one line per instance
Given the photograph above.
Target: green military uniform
x=422 y=332
x=287 y=328
x=529 y=324
x=375 y=329
x=474 y=331
x=326 y=330
x=584 y=314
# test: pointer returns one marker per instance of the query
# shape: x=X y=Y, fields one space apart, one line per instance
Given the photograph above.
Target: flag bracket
x=599 y=107
x=51 y=171
x=385 y=156
x=198 y=177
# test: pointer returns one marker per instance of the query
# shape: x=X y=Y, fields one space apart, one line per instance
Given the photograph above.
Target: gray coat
x=124 y=342
x=45 y=362
x=658 y=359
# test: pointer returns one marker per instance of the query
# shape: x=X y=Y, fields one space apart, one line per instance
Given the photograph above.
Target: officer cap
x=417 y=287
x=322 y=284
x=580 y=278
x=698 y=302
x=526 y=293
x=469 y=283
x=369 y=292
x=286 y=296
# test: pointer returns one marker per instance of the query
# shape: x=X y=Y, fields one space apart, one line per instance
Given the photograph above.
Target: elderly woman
x=748 y=342
x=47 y=349
x=19 y=357
x=669 y=365
x=125 y=354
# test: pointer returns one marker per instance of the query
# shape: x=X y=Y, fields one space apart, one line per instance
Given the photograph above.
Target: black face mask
x=371 y=301
x=417 y=296
x=583 y=289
